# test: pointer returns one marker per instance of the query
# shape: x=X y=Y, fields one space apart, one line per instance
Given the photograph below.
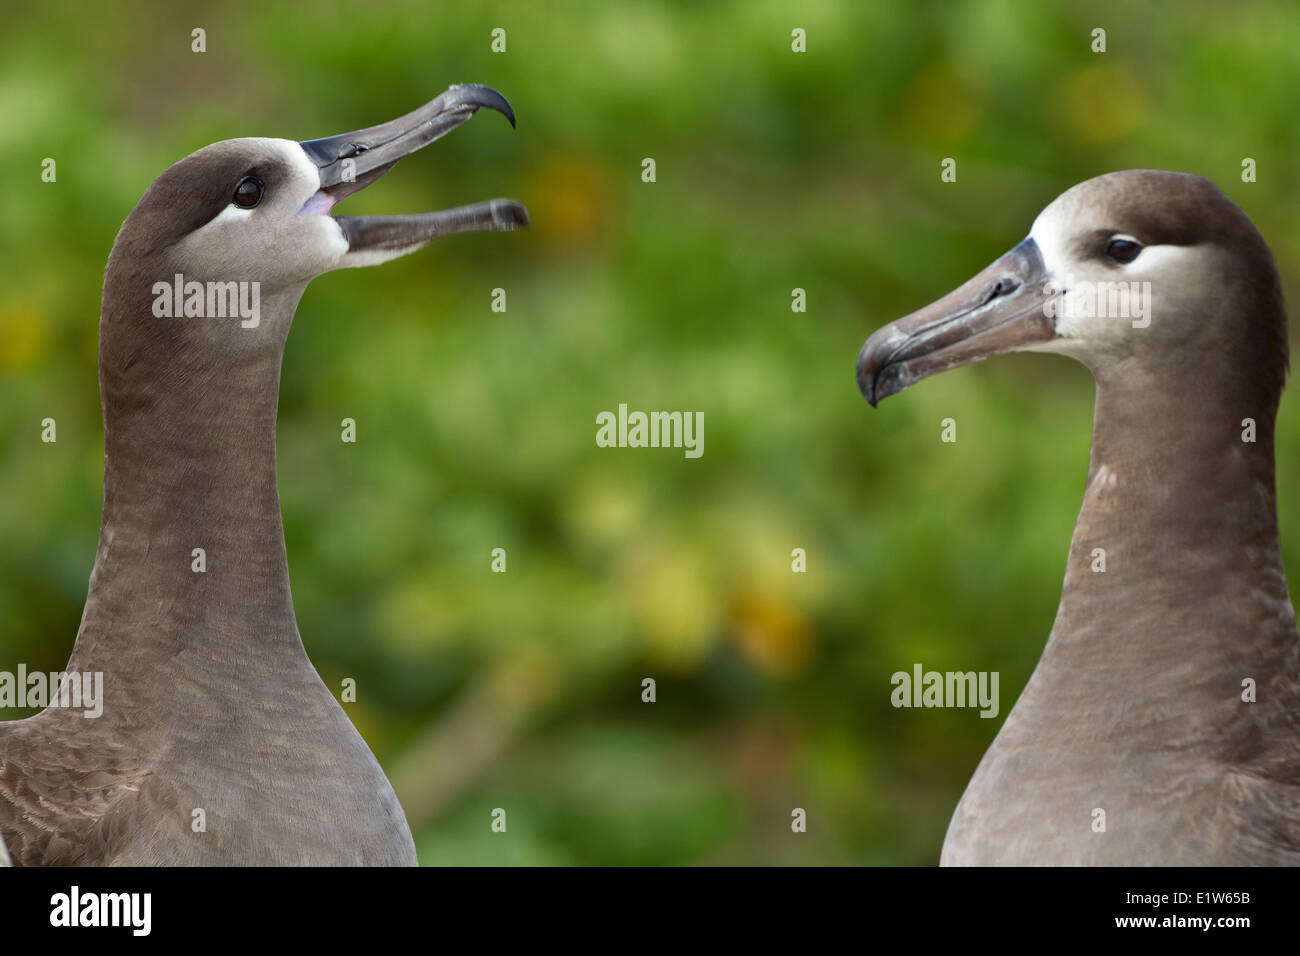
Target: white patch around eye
x=230 y=213
x=1093 y=297
x=302 y=179
x=1153 y=260
x=1103 y=299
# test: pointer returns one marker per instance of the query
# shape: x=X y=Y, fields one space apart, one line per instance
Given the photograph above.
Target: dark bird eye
x=248 y=193
x=1123 y=250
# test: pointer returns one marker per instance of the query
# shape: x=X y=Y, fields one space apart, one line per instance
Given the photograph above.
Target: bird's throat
x=191 y=547
x=1174 y=587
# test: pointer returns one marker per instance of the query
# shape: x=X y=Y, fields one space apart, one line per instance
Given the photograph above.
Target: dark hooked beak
x=352 y=161
x=1000 y=310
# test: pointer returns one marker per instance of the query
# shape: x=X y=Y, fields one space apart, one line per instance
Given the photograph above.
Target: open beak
x=1000 y=310
x=352 y=161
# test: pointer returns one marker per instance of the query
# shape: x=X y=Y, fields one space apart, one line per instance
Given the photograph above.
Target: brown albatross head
x=247 y=222
x=1140 y=268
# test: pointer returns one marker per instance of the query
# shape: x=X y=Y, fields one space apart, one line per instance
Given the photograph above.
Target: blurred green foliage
x=476 y=429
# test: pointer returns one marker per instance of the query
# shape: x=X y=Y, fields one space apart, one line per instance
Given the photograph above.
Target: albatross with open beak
x=1162 y=723
x=217 y=742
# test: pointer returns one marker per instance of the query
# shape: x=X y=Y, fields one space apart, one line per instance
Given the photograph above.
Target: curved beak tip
x=352 y=161
x=867 y=382
x=479 y=96
x=515 y=216
x=999 y=310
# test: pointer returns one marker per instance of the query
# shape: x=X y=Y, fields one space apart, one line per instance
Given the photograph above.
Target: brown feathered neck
x=191 y=551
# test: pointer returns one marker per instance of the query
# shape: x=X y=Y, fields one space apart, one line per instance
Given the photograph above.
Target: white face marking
x=306 y=176
x=1050 y=232
x=303 y=178
x=1111 y=310
x=370 y=257
x=1099 y=299
x=230 y=212
x=286 y=239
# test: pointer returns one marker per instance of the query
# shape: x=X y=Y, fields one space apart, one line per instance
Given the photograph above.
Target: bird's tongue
x=319 y=204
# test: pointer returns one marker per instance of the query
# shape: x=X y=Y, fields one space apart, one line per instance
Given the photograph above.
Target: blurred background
x=476 y=430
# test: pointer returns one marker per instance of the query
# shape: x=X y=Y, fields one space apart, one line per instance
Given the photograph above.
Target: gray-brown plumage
x=1136 y=707
x=210 y=702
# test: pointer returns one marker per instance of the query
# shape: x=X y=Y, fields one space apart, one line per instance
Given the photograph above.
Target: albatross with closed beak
x=1166 y=704
x=217 y=743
